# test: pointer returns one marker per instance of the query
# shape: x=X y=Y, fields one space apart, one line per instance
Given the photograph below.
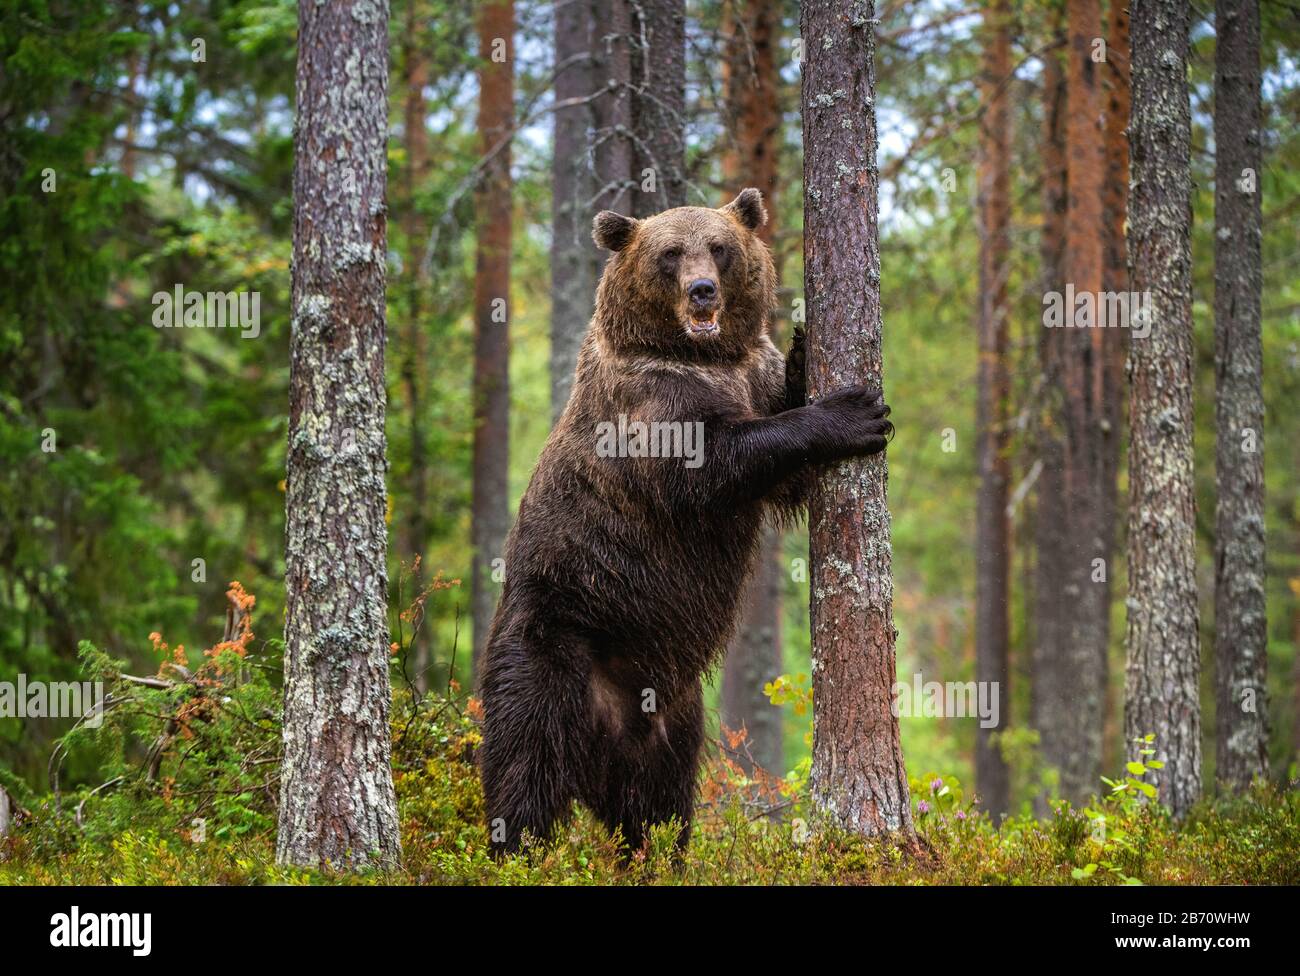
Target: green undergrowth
x=207 y=816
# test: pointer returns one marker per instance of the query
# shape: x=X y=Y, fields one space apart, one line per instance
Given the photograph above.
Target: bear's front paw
x=861 y=424
x=796 y=367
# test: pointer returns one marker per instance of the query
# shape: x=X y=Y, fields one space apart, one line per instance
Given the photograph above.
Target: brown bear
x=684 y=429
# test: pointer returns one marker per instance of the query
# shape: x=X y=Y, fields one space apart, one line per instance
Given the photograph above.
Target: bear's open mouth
x=703 y=321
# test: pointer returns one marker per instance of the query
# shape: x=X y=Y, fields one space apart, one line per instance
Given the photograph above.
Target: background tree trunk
x=1072 y=740
x=754 y=125
x=858 y=778
x=337 y=805
x=1050 y=676
x=1163 y=669
x=415 y=526
x=658 y=73
x=612 y=111
x=490 y=517
x=1240 y=614
x=574 y=263
x=992 y=526
x=1115 y=341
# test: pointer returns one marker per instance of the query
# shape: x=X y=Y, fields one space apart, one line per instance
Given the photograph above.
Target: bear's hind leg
x=532 y=718
x=651 y=779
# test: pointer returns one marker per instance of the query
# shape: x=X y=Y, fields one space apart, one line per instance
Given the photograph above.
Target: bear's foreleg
x=750 y=458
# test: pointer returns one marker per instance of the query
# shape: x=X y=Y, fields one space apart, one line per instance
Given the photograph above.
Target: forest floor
x=158 y=833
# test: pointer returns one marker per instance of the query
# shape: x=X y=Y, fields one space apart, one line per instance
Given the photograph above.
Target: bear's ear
x=612 y=231
x=748 y=208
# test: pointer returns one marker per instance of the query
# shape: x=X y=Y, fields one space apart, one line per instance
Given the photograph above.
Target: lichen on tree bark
x=337 y=805
x=1162 y=686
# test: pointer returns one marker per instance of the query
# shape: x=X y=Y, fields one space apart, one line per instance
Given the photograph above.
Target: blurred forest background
x=167 y=130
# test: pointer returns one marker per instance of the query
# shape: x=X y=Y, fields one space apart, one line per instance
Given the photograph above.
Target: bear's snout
x=703 y=292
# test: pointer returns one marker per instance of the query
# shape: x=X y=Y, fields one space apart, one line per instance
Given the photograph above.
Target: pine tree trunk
x=573 y=254
x=1071 y=736
x=1240 y=616
x=1051 y=686
x=992 y=527
x=612 y=111
x=658 y=67
x=1163 y=668
x=337 y=806
x=858 y=778
x=1115 y=274
x=415 y=526
x=490 y=518
x=754 y=659
x=754 y=123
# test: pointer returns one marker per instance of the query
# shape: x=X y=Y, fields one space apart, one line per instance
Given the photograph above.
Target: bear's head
x=690 y=281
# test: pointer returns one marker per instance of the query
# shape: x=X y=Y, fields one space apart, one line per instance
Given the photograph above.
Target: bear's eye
x=721 y=255
x=719 y=250
x=672 y=254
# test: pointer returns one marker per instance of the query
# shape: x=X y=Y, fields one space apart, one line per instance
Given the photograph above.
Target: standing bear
x=685 y=428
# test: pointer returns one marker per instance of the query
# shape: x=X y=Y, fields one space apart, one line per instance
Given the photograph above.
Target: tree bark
x=1115 y=342
x=754 y=124
x=858 y=778
x=658 y=66
x=1071 y=736
x=574 y=265
x=1240 y=614
x=1051 y=686
x=1163 y=668
x=415 y=526
x=490 y=517
x=337 y=806
x=612 y=145
x=992 y=526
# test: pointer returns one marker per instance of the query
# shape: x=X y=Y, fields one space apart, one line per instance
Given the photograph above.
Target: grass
x=130 y=837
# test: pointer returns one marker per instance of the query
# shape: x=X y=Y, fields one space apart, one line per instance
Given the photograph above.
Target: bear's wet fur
x=623 y=573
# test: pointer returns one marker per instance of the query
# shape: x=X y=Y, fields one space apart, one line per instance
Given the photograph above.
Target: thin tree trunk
x=992 y=527
x=337 y=806
x=490 y=504
x=658 y=72
x=1050 y=684
x=1163 y=670
x=754 y=121
x=1240 y=614
x=573 y=254
x=1072 y=736
x=858 y=778
x=754 y=659
x=612 y=145
x=415 y=527
x=1115 y=341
